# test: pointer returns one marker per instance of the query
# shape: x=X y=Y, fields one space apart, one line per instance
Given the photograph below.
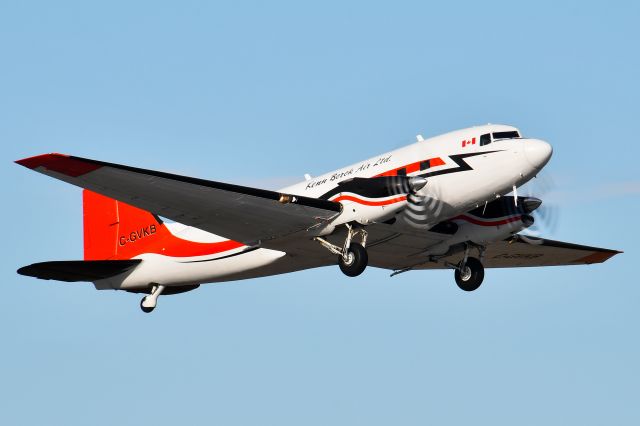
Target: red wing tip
x=40 y=160
x=60 y=163
x=598 y=257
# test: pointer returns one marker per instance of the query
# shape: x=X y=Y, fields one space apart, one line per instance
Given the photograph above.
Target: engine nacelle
x=371 y=200
x=495 y=222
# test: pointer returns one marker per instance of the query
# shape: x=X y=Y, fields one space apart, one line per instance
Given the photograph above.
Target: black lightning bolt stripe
x=458 y=159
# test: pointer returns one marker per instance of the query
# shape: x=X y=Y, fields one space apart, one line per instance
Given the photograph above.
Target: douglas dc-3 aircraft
x=438 y=203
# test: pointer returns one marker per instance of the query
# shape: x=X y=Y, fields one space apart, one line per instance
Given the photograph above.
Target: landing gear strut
x=148 y=303
x=352 y=257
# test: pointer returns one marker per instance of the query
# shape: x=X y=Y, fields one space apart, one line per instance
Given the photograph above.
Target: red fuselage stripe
x=414 y=167
x=484 y=223
x=370 y=203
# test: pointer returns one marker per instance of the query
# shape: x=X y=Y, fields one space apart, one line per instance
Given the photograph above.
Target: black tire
x=358 y=261
x=473 y=277
x=144 y=308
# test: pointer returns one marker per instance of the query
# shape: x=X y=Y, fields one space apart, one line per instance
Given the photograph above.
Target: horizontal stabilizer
x=78 y=270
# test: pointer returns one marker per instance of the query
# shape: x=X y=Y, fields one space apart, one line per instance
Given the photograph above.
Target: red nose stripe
x=59 y=163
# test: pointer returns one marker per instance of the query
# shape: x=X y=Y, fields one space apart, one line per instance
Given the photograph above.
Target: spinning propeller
x=545 y=216
x=421 y=209
x=534 y=200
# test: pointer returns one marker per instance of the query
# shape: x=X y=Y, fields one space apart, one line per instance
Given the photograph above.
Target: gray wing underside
x=517 y=252
x=395 y=251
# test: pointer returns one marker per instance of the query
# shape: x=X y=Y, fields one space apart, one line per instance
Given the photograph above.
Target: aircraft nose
x=537 y=152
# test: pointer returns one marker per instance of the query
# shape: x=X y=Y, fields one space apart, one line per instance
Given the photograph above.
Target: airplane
x=439 y=203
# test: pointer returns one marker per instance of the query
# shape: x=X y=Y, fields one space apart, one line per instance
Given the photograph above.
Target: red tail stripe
x=173 y=246
x=116 y=230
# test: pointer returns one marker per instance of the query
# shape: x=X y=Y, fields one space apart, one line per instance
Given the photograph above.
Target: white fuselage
x=461 y=174
x=493 y=174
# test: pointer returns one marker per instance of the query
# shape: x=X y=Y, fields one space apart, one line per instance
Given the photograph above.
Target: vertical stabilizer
x=115 y=230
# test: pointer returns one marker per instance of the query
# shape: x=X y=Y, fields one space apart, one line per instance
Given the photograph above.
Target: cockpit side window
x=506 y=135
x=485 y=139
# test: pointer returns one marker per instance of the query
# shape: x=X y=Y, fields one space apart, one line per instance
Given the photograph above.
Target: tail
x=114 y=230
x=114 y=233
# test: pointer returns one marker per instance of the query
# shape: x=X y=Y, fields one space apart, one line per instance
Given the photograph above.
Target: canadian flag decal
x=469 y=142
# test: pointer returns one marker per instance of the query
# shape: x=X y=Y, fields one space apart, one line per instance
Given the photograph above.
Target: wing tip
x=60 y=163
x=40 y=160
x=598 y=257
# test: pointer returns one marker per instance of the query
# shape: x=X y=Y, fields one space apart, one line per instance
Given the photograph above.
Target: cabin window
x=424 y=165
x=402 y=172
x=485 y=139
x=506 y=135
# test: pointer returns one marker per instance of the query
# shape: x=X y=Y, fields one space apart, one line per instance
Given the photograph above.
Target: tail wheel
x=355 y=261
x=146 y=309
x=470 y=276
x=149 y=303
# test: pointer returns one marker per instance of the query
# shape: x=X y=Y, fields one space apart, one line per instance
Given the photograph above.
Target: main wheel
x=356 y=262
x=146 y=309
x=471 y=276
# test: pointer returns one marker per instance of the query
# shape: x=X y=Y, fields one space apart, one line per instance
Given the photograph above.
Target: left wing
x=248 y=215
x=525 y=251
x=516 y=252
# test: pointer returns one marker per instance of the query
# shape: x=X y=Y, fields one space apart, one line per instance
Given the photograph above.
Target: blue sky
x=260 y=93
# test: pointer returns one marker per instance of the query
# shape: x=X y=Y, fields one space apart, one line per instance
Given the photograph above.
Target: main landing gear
x=469 y=273
x=352 y=256
x=148 y=303
x=354 y=261
x=469 y=276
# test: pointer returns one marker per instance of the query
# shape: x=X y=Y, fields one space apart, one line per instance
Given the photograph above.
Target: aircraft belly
x=172 y=271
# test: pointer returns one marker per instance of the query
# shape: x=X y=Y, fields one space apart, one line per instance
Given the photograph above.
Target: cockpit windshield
x=487 y=138
x=506 y=135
